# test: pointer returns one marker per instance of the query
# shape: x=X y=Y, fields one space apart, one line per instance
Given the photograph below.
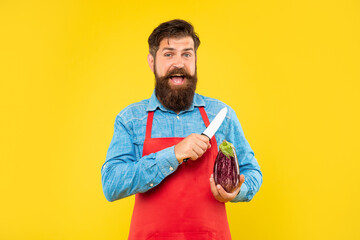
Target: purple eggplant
x=226 y=167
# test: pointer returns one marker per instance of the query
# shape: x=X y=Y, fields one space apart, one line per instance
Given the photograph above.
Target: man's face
x=175 y=72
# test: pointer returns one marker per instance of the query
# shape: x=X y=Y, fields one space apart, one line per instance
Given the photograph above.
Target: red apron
x=182 y=206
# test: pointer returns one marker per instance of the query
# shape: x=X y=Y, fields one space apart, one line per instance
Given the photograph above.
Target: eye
x=187 y=55
x=167 y=54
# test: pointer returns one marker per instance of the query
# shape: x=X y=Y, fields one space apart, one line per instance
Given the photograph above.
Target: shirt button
x=177 y=117
x=151 y=184
x=171 y=168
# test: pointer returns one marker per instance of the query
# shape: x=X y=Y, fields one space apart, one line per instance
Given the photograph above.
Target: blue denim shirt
x=126 y=172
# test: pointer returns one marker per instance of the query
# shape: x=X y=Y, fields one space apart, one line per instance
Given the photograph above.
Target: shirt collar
x=154 y=103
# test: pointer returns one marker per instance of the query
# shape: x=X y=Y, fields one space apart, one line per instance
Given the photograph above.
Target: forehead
x=177 y=43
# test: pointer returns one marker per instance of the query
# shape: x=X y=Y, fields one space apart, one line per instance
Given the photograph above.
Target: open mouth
x=177 y=79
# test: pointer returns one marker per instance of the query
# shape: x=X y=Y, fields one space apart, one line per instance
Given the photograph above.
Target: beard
x=176 y=97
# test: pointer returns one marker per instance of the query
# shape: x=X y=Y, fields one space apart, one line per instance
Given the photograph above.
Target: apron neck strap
x=204 y=116
x=149 y=124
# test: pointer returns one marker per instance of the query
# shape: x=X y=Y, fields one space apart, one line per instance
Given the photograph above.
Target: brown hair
x=176 y=28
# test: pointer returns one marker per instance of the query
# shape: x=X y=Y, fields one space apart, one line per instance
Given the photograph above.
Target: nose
x=178 y=62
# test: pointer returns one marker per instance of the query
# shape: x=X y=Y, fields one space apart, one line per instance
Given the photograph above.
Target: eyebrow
x=172 y=49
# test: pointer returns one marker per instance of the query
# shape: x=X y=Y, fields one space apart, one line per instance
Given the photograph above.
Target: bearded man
x=175 y=199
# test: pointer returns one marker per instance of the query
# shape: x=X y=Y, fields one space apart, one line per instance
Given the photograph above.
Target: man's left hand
x=219 y=192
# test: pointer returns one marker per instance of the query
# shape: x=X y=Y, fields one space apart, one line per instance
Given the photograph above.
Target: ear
x=150 y=59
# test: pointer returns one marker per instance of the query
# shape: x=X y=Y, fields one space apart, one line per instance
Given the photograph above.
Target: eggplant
x=226 y=167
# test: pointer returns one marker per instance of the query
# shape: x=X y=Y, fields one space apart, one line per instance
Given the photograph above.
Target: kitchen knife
x=214 y=125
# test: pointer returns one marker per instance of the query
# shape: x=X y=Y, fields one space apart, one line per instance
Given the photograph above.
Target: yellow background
x=290 y=69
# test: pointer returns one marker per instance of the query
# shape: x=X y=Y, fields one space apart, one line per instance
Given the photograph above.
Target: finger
x=193 y=155
x=214 y=190
x=208 y=143
x=202 y=145
x=223 y=194
x=242 y=179
x=204 y=139
x=198 y=150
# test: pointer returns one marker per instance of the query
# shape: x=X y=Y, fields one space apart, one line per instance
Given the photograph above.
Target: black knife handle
x=186 y=159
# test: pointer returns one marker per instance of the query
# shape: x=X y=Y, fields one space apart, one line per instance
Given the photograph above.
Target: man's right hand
x=193 y=147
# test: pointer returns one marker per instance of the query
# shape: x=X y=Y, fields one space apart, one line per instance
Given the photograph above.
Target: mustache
x=180 y=71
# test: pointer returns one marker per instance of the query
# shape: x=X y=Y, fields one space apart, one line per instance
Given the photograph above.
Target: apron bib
x=182 y=206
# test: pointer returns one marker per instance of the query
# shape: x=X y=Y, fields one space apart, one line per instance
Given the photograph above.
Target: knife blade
x=214 y=125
